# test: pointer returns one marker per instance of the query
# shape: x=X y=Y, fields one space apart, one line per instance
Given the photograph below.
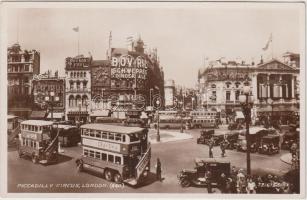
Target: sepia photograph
x=150 y=98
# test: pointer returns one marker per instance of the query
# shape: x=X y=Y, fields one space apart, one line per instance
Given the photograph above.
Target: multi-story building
x=43 y=86
x=273 y=85
x=78 y=88
x=22 y=65
x=127 y=78
x=169 y=91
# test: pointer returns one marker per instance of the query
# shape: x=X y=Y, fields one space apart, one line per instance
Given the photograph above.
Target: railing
x=78 y=90
x=143 y=163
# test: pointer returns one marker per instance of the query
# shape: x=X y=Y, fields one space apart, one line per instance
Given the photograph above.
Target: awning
x=100 y=113
x=239 y=115
x=56 y=115
x=38 y=114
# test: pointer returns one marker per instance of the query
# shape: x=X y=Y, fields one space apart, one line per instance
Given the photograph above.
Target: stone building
x=21 y=66
x=78 y=88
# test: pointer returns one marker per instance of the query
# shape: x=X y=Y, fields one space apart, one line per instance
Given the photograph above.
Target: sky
x=183 y=33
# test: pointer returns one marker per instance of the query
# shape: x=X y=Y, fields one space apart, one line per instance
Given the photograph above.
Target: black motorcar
x=205 y=136
x=197 y=177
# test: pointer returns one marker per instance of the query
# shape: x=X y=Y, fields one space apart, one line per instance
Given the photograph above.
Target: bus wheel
x=118 y=178
x=34 y=159
x=108 y=175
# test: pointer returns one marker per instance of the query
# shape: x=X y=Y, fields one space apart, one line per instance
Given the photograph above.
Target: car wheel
x=108 y=175
x=185 y=183
x=118 y=178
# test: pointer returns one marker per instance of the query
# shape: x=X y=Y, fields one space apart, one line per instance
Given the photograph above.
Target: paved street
x=174 y=156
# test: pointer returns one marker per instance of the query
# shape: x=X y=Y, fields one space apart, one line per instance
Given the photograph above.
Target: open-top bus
x=119 y=153
x=36 y=140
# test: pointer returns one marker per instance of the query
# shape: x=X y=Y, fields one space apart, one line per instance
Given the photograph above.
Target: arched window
x=213 y=86
x=78 y=99
x=71 y=74
x=84 y=100
x=228 y=84
x=71 y=101
x=84 y=74
x=74 y=74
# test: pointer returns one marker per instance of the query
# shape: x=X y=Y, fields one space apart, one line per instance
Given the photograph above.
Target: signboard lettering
x=101 y=144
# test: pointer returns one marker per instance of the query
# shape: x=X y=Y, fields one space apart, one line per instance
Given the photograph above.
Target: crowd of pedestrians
x=239 y=182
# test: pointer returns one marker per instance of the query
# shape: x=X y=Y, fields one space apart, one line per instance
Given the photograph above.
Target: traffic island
x=168 y=136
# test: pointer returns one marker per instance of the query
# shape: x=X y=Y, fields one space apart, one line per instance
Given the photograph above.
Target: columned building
x=274 y=87
x=21 y=66
x=78 y=88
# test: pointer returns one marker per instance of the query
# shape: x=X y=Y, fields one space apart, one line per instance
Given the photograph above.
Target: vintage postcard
x=190 y=99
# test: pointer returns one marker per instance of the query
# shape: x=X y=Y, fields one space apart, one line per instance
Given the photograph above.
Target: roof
x=37 y=122
x=11 y=117
x=220 y=160
x=65 y=126
x=37 y=114
x=113 y=128
x=283 y=66
x=100 y=63
x=239 y=115
x=100 y=113
x=253 y=130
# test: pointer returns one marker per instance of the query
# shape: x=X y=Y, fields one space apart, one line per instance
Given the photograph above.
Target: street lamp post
x=51 y=102
x=271 y=102
x=246 y=103
x=181 y=120
x=150 y=91
x=158 y=121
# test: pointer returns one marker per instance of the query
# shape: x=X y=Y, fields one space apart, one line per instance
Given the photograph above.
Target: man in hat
x=211 y=144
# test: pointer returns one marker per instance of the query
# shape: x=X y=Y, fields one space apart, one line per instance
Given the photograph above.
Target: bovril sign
x=127 y=67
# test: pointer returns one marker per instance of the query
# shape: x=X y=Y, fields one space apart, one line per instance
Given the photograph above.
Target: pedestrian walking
x=211 y=144
x=159 y=170
x=241 y=181
x=223 y=146
x=251 y=186
x=223 y=183
x=208 y=176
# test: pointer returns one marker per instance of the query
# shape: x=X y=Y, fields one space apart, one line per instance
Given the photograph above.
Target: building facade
x=77 y=88
x=126 y=79
x=21 y=66
x=169 y=90
x=273 y=87
x=43 y=86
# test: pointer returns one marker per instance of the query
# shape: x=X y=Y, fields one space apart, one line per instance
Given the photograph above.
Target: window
x=92 y=153
x=237 y=95
x=92 y=133
x=86 y=132
x=111 y=136
x=36 y=129
x=104 y=135
x=98 y=134
x=97 y=155
x=118 y=137
x=110 y=158
x=227 y=95
x=103 y=156
x=118 y=160
x=85 y=152
x=26 y=68
x=124 y=138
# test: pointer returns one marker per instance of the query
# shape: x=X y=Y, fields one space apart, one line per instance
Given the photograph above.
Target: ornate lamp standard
x=158 y=121
x=51 y=101
x=247 y=103
x=181 y=113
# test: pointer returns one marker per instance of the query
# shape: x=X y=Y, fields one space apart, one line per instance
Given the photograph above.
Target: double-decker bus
x=119 y=153
x=171 y=120
x=13 y=128
x=36 y=140
x=203 y=119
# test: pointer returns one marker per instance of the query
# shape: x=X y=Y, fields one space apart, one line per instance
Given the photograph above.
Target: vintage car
x=232 y=139
x=205 y=136
x=196 y=177
x=269 y=144
x=255 y=135
x=235 y=126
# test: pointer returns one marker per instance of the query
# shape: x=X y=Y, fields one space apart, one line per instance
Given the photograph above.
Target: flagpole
x=78 y=42
x=272 y=45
